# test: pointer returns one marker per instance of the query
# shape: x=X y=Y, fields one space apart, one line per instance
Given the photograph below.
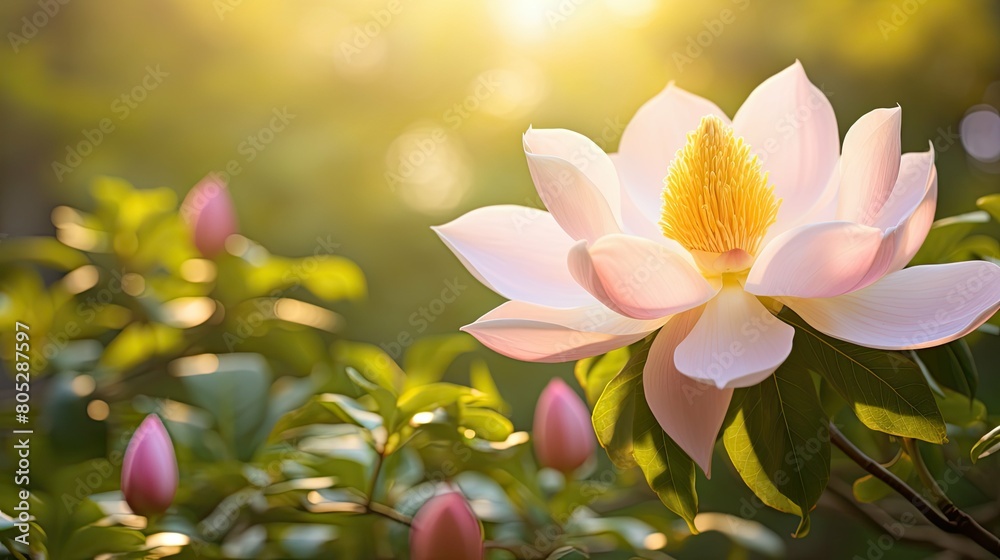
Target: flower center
x=715 y=195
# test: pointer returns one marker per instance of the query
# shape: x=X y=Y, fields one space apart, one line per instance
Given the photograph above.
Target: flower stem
x=950 y=519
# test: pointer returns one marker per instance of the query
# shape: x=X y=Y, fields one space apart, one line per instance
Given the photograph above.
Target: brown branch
x=953 y=520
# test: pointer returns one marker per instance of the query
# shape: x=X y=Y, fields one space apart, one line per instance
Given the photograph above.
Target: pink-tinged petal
x=149 y=469
x=869 y=166
x=638 y=277
x=582 y=152
x=562 y=430
x=789 y=123
x=516 y=251
x=208 y=210
x=691 y=412
x=634 y=220
x=581 y=267
x=916 y=174
x=652 y=138
x=445 y=528
x=534 y=333
x=913 y=229
x=816 y=260
x=737 y=342
x=576 y=203
x=913 y=308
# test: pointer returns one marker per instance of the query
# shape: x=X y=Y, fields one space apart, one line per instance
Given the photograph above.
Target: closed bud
x=210 y=215
x=563 y=433
x=149 y=471
x=445 y=528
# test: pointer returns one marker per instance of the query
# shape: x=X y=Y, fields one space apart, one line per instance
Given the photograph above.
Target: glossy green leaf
x=235 y=393
x=46 y=251
x=987 y=445
x=568 y=553
x=614 y=410
x=952 y=366
x=990 y=203
x=777 y=437
x=331 y=277
x=427 y=359
x=668 y=470
x=958 y=410
x=430 y=397
x=944 y=237
x=371 y=362
x=488 y=424
x=594 y=374
x=868 y=489
x=886 y=390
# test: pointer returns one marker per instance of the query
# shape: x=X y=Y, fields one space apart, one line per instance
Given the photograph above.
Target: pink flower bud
x=149 y=471
x=563 y=433
x=446 y=529
x=208 y=211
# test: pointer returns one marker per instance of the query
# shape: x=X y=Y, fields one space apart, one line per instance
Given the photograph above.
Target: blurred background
x=361 y=124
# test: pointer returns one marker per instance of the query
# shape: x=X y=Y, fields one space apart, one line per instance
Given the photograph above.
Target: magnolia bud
x=208 y=211
x=563 y=433
x=446 y=529
x=149 y=471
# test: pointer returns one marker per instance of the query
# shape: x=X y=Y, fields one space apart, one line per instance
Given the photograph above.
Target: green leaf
x=777 y=437
x=488 y=424
x=235 y=392
x=567 y=553
x=614 y=410
x=428 y=358
x=371 y=362
x=430 y=397
x=332 y=277
x=45 y=251
x=594 y=374
x=987 y=445
x=868 y=489
x=990 y=203
x=668 y=470
x=945 y=236
x=91 y=541
x=958 y=410
x=886 y=390
x=952 y=365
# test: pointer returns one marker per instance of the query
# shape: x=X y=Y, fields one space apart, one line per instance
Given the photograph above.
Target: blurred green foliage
x=346 y=130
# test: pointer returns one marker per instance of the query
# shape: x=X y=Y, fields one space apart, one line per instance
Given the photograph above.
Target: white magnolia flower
x=706 y=227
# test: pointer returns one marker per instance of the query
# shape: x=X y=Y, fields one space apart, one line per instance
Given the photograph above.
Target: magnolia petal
x=535 y=333
x=913 y=308
x=816 y=260
x=634 y=220
x=638 y=277
x=870 y=166
x=691 y=412
x=737 y=342
x=516 y=251
x=652 y=138
x=789 y=123
x=913 y=228
x=582 y=152
x=576 y=203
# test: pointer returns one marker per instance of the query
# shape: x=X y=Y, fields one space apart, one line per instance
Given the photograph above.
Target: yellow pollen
x=715 y=195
